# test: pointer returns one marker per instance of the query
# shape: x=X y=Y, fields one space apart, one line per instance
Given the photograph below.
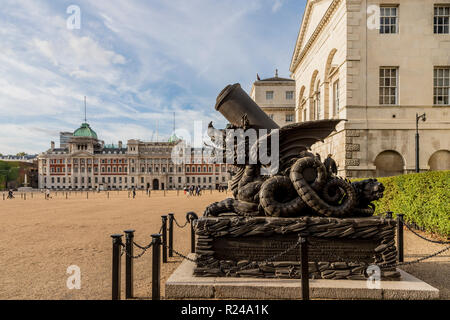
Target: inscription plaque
x=261 y=248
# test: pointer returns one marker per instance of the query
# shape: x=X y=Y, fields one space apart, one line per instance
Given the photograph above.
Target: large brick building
x=85 y=162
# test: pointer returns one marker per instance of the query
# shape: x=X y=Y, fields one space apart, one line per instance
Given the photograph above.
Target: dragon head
x=369 y=190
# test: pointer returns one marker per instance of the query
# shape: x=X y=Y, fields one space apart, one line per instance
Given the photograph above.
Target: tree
x=8 y=173
x=21 y=154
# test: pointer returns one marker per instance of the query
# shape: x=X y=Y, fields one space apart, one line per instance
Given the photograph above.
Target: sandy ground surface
x=40 y=239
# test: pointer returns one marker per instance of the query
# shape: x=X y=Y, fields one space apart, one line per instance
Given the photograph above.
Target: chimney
x=120 y=144
x=52 y=145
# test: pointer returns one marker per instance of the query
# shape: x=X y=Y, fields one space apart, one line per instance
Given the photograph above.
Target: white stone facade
x=347 y=67
x=276 y=97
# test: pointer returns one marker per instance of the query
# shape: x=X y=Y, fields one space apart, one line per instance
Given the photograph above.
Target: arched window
x=389 y=163
x=440 y=160
x=317 y=102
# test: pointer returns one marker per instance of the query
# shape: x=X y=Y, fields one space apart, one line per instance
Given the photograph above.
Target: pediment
x=318 y=9
x=314 y=12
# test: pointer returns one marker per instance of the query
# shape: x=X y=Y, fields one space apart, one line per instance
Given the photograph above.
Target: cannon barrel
x=233 y=103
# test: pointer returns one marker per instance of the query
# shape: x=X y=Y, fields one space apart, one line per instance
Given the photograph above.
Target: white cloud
x=277 y=5
x=136 y=61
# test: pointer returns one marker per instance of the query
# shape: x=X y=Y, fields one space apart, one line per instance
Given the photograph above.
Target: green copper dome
x=174 y=138
x=85 y=131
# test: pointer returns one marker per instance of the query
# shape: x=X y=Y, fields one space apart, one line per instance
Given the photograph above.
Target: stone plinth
x=182 y=284
x=263 y=247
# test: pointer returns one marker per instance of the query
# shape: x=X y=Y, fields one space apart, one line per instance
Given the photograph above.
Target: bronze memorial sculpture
x=254 y=233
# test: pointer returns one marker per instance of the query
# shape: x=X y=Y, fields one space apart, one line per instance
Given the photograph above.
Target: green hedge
x=424 y=199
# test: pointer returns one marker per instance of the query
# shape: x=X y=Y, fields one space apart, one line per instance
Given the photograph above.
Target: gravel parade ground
x=41 y=238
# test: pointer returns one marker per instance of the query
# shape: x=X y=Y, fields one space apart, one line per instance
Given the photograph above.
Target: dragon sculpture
x=302 y=186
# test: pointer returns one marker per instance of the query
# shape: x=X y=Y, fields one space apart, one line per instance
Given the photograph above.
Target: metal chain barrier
x=180 y=254
x=410 y=228
x=294 y=246
x=144 y=250
x=180 y=226
x=278 y=255
x=383 y=266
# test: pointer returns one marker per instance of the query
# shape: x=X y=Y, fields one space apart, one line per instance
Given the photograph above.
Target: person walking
x=47 y=194
x=134 y=192
x=330 y=165
x=10 y=194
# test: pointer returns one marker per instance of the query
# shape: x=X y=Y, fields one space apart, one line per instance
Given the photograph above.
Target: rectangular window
x=388 y=85
x=389 y=19
x=289 y=95
x=269 y=95
x=441 y=19
x=336 y=97
x=441 y=86
x=289 y=118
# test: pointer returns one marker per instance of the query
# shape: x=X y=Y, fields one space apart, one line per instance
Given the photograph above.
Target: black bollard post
x=129 y=236
x=400 y=237
x=24 y=196
x=164 y=239
x=305 y=268
x=108 y=194
x=66 y=195
x=117 y=246
x=192 y=235
x=87 y=195
x=170 y=234
x=156 y=267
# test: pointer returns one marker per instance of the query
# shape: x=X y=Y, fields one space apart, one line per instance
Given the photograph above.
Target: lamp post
x=423 y=117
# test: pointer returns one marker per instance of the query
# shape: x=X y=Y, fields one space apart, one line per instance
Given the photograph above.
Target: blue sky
x=136 y=61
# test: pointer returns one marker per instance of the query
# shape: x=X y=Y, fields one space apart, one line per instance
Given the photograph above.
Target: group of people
x=193 y=191
x=329 y=164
